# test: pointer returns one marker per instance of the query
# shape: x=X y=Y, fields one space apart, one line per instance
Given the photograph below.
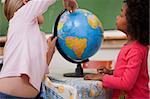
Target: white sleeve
x=35 y=8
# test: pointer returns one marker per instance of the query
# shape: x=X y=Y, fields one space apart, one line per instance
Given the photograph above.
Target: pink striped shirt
x=131 y=73
x=26 y=47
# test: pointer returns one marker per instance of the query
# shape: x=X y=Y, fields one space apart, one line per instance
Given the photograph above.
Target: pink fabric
x=131 y=73
x=26 y=47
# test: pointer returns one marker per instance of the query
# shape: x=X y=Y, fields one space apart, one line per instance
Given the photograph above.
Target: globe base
x=78 y=72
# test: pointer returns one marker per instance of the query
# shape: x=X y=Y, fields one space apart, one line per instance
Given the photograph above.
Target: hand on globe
x=25 y=1
x=70 y=5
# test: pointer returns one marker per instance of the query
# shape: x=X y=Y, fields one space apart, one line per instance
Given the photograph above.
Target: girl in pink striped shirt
x=130 y=78
x=26 y=52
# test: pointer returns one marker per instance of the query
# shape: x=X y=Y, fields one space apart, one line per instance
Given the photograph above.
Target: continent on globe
x=77 y=45
x=94 y=22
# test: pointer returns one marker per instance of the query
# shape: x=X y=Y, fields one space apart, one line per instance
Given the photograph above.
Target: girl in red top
x=130 y=78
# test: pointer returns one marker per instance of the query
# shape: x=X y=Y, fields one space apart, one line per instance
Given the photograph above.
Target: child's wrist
x=49 y=55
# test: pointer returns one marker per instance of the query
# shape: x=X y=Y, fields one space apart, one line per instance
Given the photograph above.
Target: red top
x=131 y=73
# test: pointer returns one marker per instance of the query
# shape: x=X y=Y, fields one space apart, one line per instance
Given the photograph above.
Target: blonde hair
x=11 y=6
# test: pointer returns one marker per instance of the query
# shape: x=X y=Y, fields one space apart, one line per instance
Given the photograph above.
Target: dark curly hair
x=138 y=20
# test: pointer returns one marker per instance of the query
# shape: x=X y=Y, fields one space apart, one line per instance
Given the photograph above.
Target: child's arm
x=51 y=48
x=34 y=8
x=129 y=77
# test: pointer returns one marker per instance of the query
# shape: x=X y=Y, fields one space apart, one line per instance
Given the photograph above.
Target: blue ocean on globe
x=79 y=34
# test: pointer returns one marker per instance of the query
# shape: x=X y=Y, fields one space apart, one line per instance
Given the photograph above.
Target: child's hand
x=25 y=1
x=104 y=70
x=94 y=77
x=70 y=5
x=51 y=48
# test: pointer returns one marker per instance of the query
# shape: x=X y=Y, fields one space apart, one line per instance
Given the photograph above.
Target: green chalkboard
x=3 y=22
x=105 y=10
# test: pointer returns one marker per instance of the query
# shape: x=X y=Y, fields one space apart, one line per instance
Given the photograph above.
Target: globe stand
x=78 y=72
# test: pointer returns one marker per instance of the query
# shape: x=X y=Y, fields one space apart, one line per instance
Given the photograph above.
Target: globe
x=79 y=36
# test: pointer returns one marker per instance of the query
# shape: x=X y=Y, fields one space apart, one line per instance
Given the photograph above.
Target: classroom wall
x=3 y=22
x=106 y=11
